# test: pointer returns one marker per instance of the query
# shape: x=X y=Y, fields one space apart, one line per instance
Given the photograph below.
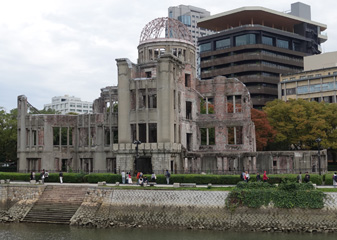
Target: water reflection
x=52 y=232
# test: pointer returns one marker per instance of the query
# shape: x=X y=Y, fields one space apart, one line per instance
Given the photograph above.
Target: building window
x=205 y=47
x=235 y=135
x=267 y=40
x=142 y=132
x=282 y=43
x=207 y=106
x=245 y=39
x=207 y=136
x=224 y=43
x=148 y=74
x=152 y=132
x=187 y=80
x=188 y=110
x=234 y=104
x=185 y=20
x=291 y=91
x=152 y=101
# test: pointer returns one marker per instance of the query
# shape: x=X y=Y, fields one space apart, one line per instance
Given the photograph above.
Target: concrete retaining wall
x=195 y=209
x=16 y=201
x=105 y=207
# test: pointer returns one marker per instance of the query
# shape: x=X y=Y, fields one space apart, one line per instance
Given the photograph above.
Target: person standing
x=153 y=177
x=42 y=176
x=242 y=176
x=334 y=179
x=265 y=178
x=258 y=177
x=61 y=177
x=130 y=179
x=299 y=177
x=32 y=175
x=123 y=177
x=247 y=176
x=307 y=177
x=46 y=175
x=167 y=175
x=138 y=176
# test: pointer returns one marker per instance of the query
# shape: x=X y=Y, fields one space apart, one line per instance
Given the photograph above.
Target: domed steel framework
x=172 y=27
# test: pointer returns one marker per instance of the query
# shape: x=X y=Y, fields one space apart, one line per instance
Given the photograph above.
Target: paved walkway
x=131 y=185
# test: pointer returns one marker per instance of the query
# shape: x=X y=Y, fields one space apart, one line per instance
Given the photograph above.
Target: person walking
x=265 y=178
x=307 y=177
x=258 y=177
x=299 y=177
x=334 y=179
x=123 y=177
x=167 y=175
x=61 y=177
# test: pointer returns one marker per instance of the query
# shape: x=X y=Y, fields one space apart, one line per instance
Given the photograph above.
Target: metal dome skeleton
x=172 y=27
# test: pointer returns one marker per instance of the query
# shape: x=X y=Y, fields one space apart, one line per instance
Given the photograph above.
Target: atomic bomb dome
x=165 y=28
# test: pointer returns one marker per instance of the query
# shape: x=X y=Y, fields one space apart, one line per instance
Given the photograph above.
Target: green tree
x=299 y=123
x=8 y=135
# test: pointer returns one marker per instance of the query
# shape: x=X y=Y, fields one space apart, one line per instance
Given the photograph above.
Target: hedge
x=328 y=179
x=175 y=178
x=279 y=178
x=15 y=176
x=100 y=177
x=286 y=195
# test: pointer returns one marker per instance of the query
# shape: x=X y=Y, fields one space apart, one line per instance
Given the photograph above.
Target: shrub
x=287 y=195
x=328 y=179
x=100 y=177
x=15 y=176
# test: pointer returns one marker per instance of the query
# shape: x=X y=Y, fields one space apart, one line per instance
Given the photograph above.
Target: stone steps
x=57 y=204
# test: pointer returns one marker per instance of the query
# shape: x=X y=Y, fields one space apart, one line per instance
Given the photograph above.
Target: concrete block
x=8 y=181
x=2 y=181
x=40 y=182
x=117 y=184
x=32 y=181
x=315 y=185
x=176 y=185
x=101 y=183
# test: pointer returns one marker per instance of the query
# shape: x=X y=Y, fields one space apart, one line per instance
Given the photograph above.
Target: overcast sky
x=51 y=48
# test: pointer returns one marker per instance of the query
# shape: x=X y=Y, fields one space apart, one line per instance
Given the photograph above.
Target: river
x=24 y=231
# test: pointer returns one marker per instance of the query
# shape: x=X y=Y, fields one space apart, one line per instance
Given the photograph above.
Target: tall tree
x=8 y=135
x=299 y=123
x=264 y=132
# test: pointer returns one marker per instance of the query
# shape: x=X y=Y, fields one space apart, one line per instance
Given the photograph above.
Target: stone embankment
x=105 y=207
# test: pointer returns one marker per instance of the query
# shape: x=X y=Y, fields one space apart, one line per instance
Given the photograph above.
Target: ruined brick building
x=184 y=124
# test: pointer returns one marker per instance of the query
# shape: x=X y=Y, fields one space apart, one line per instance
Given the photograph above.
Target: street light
x=318 y=140
x=137 y=142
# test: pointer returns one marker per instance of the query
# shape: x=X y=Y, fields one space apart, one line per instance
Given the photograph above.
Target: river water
x=24 y=231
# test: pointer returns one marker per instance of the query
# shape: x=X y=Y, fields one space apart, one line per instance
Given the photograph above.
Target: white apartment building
x=65 y=104
x=190 y=15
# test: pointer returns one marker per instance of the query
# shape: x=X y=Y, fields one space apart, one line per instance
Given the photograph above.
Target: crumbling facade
x=179 y=123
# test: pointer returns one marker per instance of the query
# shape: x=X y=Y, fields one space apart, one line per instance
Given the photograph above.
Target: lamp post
x=318 y=140
x=137 y=142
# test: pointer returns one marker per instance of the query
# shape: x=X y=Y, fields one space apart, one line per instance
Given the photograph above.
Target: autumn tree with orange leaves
x=264 y=132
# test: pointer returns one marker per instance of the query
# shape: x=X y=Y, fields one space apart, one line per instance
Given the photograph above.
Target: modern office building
x=256 y=45
x=65 y=104
x=190 y=15
x=316 y=83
